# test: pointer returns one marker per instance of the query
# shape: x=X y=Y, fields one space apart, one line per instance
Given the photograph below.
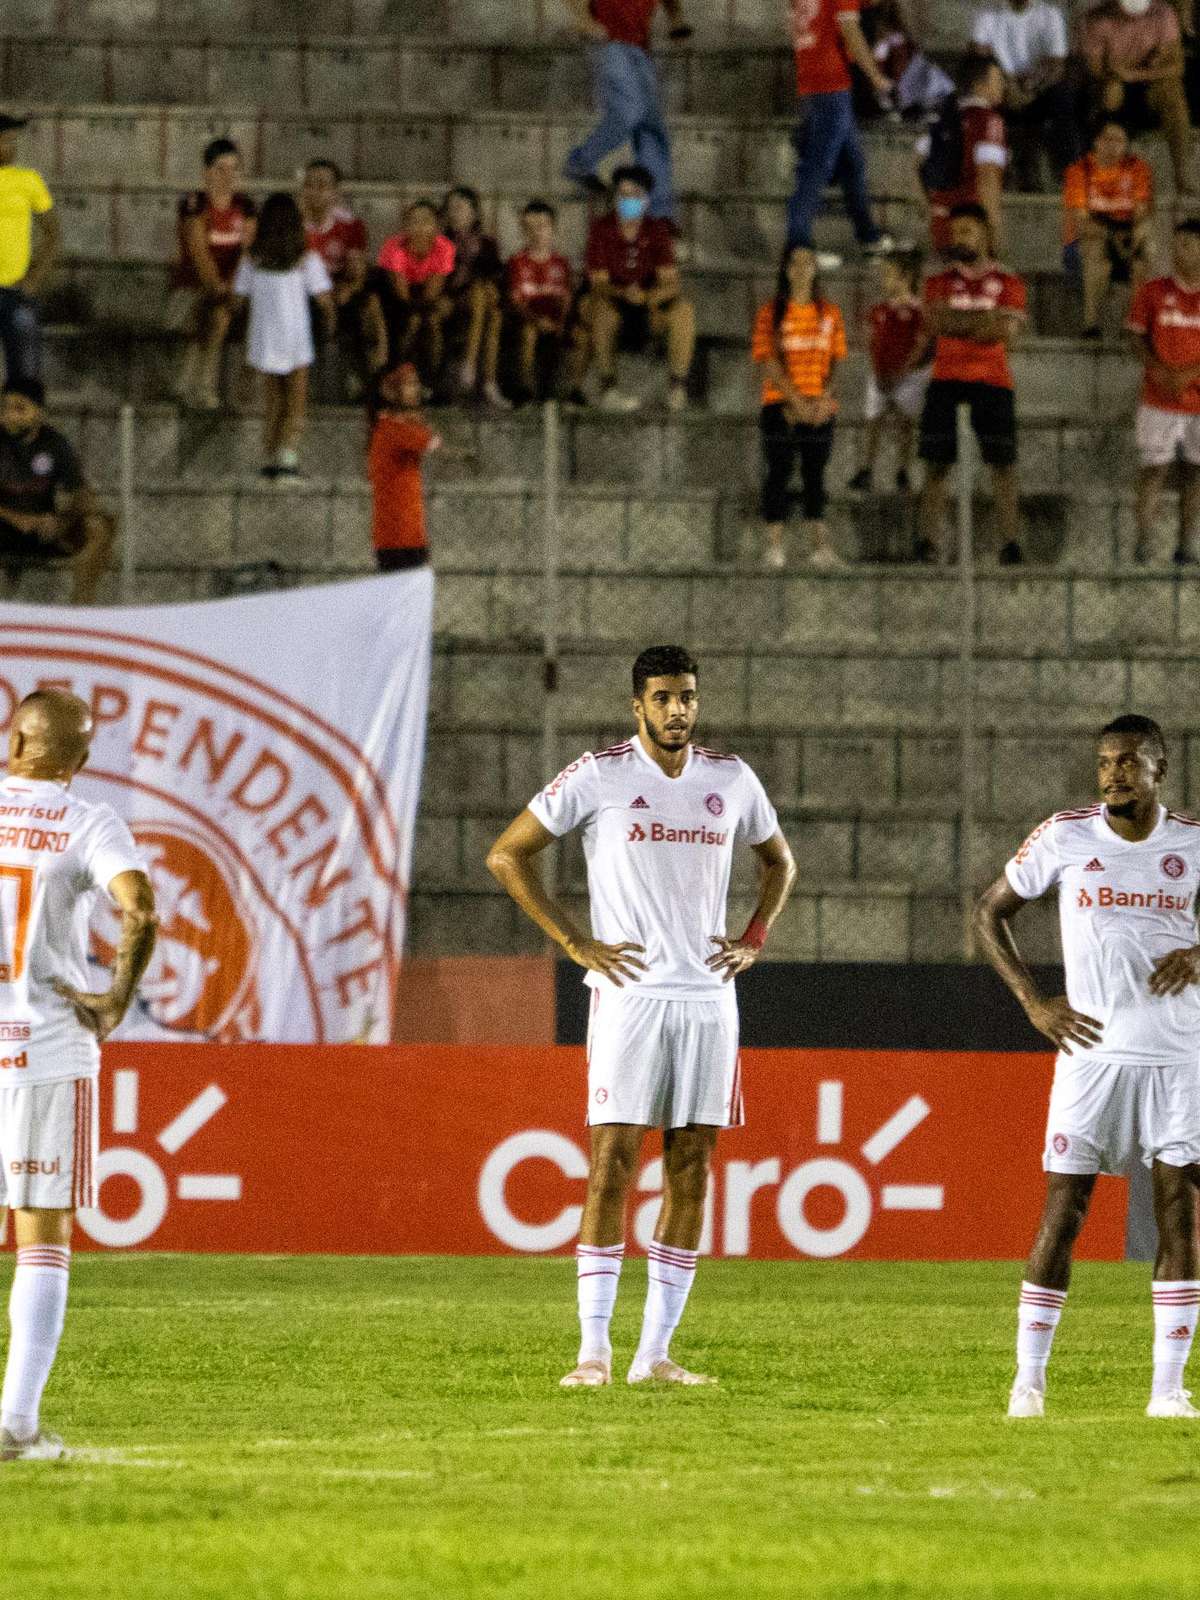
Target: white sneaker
x=825 y=556
x=612 y=399
x=592 y=1374
x=1026 y=1401
x=42 y=1447
x=827 y=260
x=1176 y=1404
x=774 y=557
x=886 y=245
x=665 y=1371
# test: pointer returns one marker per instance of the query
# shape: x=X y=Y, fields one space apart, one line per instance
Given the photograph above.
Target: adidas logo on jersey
x=1094 y=865
x=639 y=804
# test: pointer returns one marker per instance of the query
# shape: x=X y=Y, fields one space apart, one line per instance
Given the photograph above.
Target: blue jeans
x=829 y=150
x=626 y=91
x=20 y=335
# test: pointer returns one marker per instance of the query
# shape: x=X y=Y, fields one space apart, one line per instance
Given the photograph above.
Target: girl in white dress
x=278 y=276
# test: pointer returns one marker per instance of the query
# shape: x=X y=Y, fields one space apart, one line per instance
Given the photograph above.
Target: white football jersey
x=1121 y=907
x=658 y=854
x=56 y=852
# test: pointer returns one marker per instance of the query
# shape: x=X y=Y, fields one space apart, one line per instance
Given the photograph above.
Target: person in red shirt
x=633 y=292
x=539 y=288
x=1108 y=200
x=334 y=233
x=968 y=132
x=215 y=228
x=418 y=263
x=973 y=310
x=1165 y=317
x=899 y=347
x=626 y=91
x=400 y=440
x=826 y=38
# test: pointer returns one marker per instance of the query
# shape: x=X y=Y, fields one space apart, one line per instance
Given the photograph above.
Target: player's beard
x=669 y=740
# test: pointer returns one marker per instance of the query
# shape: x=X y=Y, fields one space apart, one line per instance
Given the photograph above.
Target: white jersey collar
x=1131 y=844
x=650 y=761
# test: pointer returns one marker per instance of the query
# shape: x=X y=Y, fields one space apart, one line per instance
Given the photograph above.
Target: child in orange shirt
x=901 y=350
x=799 y=338
x=400 y=440
x=1108 y=199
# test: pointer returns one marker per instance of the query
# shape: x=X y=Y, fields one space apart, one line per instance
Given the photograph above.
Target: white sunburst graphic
x=154 y=1187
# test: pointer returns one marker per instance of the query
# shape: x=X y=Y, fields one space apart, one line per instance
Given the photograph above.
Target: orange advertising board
x=450 y=1149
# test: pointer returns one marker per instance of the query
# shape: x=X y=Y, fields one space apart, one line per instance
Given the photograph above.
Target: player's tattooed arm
x=1176 y=971
x=1054 y=1017
x=778 y=874
x=512 y=862
x=100 y=1013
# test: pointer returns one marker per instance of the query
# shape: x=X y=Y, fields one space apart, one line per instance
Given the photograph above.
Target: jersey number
x=21 y=879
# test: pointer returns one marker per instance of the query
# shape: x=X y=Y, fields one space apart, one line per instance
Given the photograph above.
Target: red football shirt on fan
x=984 y=288
x=984 y=143
x=224 y=228
x=630 y=261
x=896 y=329
x=625 y=21
x=822 y=64
x=340 y=233
x=394 y=468
x=1169 y=315
x=540 y=289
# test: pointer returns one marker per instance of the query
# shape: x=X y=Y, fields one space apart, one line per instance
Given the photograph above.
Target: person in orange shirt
x=799 y=338
x=1108 y=199
x=400 y=440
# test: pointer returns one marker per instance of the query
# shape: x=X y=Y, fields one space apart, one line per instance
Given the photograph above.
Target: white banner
x=267 y=754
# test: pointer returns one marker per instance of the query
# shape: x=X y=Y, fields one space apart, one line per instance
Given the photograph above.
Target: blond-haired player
x=57 y=853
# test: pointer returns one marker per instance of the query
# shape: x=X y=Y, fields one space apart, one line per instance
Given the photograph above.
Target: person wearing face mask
x=47 y=510
x=1133 y=53
x=1165 y=320
x=633 y=292
x=973 y=310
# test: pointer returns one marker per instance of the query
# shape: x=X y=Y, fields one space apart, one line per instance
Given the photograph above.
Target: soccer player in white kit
x=659 y=817
x=56 y=853
x=1127 y=1076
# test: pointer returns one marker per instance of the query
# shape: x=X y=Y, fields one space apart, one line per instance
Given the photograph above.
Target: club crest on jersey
x=1173 y=866
x=1060 y=1143
x=714 y=804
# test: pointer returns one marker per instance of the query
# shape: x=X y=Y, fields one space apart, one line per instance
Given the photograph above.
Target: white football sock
x=599 y=1269
x=1176 y=1306
x=1037 y=1318
x=669 y=1280
x=37 y=1308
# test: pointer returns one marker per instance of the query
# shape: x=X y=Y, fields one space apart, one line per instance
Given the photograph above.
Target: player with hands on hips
x=1127 y=1075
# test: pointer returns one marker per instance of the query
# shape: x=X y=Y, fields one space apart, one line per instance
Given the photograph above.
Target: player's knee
x=612 y=1173
x=686 y=1172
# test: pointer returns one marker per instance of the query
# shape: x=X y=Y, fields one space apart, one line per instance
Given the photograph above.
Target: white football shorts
x=663 y=1063
x=49 y=1144
x=1161 y=435
x=1103 y=1115
x=908 y=396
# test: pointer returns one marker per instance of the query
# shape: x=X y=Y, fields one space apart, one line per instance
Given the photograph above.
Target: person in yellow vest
x=28 y=246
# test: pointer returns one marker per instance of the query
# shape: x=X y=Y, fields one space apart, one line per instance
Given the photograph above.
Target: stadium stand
x=841 y=687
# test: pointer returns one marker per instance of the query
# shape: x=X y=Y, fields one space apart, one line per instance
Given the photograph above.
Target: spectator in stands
x=633 y=292
x=47 y=510
x=626 y=90
x=826 y=38
x=216 y=225
x=278 y=276
x=418 y=261
x=1028 y=40
x=963 y=153
x=900 y=348
x=973 y=310
x=798 y=340
x=1165 y=317
x=539 y=299
x=1108 y=199
x=474 y=290
x=333 y=232
x=28 y=246
x=919 y=84
x=1134 y=58
x=400 y=440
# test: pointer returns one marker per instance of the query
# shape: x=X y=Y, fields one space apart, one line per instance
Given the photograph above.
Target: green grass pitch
x=250 y=1426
